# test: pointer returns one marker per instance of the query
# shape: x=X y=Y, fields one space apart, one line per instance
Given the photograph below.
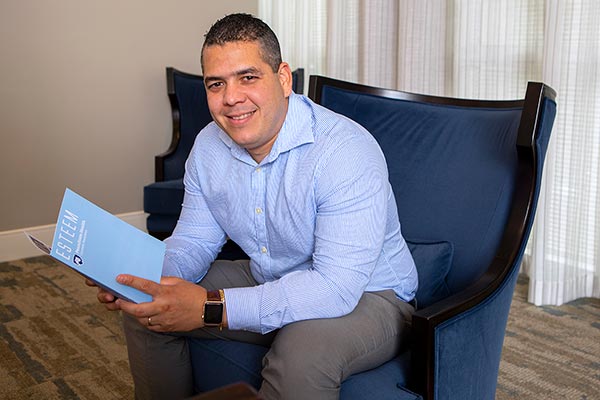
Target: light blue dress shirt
x=317 y=217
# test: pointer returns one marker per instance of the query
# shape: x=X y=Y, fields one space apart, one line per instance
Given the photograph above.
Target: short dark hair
x=244 y=28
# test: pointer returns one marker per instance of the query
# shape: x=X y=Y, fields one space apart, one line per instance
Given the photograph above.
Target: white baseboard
x=15 y=245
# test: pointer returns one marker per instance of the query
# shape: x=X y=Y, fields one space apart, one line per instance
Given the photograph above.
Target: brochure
x=101 y=246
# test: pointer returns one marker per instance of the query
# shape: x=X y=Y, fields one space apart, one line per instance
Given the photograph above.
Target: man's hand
x=177 y=304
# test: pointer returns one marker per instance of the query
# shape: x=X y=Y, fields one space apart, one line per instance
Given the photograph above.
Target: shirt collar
x=296 y=130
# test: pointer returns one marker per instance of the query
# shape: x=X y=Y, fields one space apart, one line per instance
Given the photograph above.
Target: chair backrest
x=463 y=171
x=298 y=80
x=190 y=113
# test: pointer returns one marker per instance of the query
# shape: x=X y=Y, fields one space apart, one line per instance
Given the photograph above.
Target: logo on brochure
x=77 y=260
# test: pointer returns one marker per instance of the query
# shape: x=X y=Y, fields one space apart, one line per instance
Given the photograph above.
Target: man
x=305 y=194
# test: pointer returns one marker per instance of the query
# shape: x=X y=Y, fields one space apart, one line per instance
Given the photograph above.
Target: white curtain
x=486 y=49
x=565 y=246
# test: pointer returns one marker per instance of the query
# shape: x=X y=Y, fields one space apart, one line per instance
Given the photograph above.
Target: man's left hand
x=177 y=304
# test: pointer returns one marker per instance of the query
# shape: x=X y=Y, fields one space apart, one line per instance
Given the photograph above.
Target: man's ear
x=285 y=78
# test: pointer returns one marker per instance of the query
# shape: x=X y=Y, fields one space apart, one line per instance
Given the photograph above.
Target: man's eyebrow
x=241 y=72
x=249 y=70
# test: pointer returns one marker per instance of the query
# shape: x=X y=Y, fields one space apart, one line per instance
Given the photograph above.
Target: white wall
x=83 y=99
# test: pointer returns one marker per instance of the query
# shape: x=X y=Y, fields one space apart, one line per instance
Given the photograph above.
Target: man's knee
x=298 y=367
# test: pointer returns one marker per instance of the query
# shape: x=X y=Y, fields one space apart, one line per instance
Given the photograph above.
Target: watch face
x=213 y=313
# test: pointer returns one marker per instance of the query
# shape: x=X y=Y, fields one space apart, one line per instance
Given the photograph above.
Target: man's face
x=245 y=97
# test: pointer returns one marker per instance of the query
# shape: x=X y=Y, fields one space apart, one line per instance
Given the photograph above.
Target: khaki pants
x=307 y=359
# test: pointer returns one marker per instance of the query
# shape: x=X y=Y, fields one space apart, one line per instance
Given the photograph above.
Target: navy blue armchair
x=466 y=175
x=189 y=111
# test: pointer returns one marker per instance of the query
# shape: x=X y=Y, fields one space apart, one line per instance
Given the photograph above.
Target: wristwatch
x=213 y=308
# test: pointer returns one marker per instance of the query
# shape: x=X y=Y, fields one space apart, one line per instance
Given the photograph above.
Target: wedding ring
x=149 y=321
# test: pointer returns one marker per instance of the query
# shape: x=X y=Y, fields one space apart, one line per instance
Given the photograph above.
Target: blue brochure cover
x=101 y=246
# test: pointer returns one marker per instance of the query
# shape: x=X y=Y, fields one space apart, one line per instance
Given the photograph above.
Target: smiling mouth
x=241 y=116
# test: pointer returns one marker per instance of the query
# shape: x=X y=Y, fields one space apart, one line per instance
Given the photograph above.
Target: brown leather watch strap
x=213 y=295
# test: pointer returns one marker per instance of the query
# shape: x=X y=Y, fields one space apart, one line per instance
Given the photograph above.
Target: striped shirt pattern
x=317 y=217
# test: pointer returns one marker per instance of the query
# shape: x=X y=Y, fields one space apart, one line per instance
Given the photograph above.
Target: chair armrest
x=161 y=159
x=458 y=319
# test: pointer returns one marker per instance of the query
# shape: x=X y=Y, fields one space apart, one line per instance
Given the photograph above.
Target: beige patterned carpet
x=551 y=352
x=57 y=342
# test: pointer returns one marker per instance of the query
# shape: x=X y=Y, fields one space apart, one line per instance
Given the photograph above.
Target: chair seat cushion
x=164 y=197
x=230 y=362
x=433 y=261
x=392 y=379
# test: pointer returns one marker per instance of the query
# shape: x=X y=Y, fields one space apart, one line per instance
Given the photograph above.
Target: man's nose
x=233 y=95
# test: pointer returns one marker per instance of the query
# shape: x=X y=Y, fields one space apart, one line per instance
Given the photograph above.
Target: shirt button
x=258 y=210
x=258 y=169
x=263 y=249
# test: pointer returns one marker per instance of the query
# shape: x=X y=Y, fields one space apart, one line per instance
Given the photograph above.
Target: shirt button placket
x=259 y=219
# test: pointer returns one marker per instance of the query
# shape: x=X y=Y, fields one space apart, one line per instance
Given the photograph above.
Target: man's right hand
x=104 y=297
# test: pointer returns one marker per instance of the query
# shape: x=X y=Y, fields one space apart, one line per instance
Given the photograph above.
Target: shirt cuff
x=243 y=308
